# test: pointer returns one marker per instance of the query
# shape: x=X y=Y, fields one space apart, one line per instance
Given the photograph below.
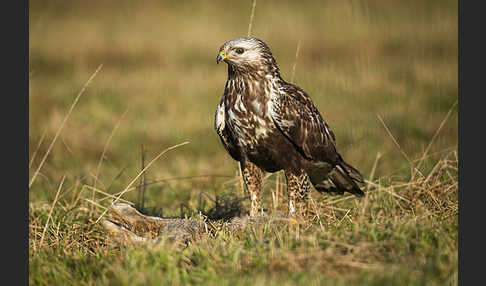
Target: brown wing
x=296 y=116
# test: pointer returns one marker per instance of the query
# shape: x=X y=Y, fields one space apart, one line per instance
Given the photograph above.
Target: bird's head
x=246 y=53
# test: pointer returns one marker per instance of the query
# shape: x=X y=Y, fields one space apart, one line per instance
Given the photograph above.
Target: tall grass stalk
x=127 y=188
x=81 y=92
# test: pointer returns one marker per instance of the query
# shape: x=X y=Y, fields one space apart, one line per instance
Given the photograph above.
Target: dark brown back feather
x=296 y=116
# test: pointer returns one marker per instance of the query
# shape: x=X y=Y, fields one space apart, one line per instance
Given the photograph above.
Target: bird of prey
x=268 y=125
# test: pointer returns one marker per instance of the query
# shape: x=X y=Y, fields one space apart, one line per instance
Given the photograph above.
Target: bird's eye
x=239 y=51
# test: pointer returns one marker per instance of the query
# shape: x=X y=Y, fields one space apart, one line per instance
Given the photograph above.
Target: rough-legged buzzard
x=268 y=124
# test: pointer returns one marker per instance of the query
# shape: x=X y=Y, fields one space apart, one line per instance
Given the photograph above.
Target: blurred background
x=358 y=60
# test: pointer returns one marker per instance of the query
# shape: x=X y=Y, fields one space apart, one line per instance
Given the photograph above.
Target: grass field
x=382 y=73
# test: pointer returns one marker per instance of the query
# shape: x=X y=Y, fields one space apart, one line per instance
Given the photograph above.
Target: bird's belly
x=263 y=144
x=249 y=128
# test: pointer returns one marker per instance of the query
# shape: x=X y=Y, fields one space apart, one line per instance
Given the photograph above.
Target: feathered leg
x=253 y=177
x=298 y=187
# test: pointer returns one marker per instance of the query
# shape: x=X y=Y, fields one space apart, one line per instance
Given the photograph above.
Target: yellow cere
x=223 y=54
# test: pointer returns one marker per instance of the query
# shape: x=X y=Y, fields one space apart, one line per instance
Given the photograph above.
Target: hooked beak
x=221 y=56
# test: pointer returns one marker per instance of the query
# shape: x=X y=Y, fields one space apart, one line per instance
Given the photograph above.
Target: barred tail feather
x=341 y=179
x=352 y=172
x=345 y=180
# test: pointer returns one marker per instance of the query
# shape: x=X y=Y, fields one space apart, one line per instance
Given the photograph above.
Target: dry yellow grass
x=383 y=74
